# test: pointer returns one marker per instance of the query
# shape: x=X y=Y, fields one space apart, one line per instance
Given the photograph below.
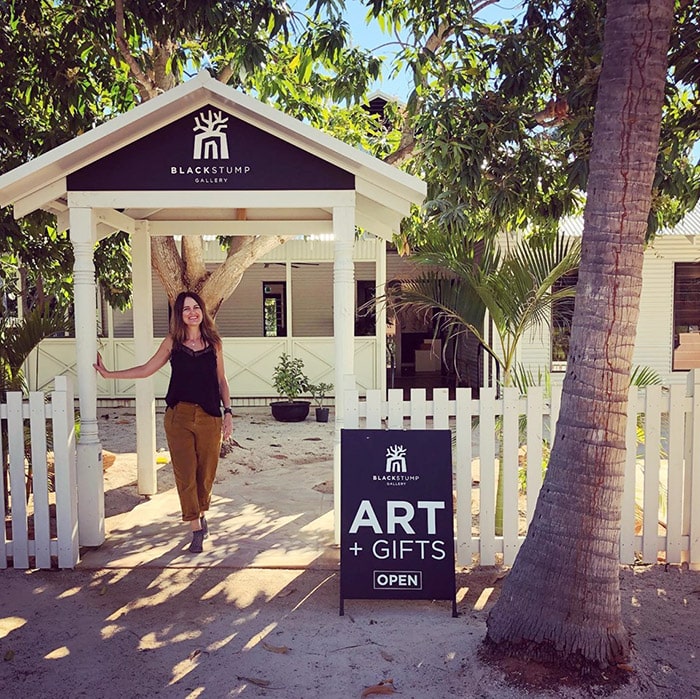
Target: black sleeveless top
x=193 y=379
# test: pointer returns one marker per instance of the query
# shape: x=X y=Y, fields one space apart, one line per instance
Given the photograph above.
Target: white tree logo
x=396 y=459
x=211 y=142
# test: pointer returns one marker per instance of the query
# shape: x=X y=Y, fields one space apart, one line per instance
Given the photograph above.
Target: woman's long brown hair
x=207 y=328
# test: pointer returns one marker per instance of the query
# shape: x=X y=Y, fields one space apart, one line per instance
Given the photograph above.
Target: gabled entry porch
x=201 y=159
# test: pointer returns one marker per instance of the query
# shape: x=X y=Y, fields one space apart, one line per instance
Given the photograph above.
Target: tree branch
x=167 y=262
x=222 y=282
x=193 y=261
x=148 y=87
x=407 y=143
x=225 y=74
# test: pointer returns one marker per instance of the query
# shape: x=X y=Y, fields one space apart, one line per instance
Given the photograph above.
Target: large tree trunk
x=562 y=599
x=186 y=271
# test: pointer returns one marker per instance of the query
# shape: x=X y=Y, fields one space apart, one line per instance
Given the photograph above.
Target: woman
x=193 y=422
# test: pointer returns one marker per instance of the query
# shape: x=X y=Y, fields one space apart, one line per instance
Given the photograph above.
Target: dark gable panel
x=210 y=150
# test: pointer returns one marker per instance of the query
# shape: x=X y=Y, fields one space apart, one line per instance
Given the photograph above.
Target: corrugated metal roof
x=688 y=226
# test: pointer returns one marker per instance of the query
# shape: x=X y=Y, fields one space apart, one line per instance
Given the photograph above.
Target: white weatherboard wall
x=240 y=318
x=250 y=358
x=654 y=344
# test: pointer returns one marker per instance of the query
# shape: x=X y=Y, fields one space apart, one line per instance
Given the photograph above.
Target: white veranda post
x=344 y=330
x=380 y=312
x=143 y=349
x=90 y=478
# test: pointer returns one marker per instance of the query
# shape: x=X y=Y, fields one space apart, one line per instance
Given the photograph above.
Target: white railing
x=38 y=493
x=250 y=363
x=661 y=502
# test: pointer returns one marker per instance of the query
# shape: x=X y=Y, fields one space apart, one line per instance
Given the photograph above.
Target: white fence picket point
x=628 y=539
x=40 y=480
x=674 y=494
x=487 y=476
x=688 y=470
x=509 y=473
x=3 y=495
x=693 y=478
x=463 y=478
x=419 y=409
x=441 y=408
x=20 y=534
x=351 y=417
x=396 y=410
x=374 y=410
x=66 y=473
x=533 y=453
x=554 y=406
x=652 y=461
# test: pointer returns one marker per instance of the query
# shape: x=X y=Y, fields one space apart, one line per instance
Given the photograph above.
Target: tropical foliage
x=515 y=285
x=67 y=67
x=501 y=117
x=19 y=337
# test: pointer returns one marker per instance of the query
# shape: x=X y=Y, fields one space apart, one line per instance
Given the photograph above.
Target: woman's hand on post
x=100 y=367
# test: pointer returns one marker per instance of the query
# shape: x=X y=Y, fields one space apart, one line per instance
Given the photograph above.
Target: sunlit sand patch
x=69 y=592
x=57 y=653
x=236 y=589
x=483 y=599
x=9 y=624
x=258 y=637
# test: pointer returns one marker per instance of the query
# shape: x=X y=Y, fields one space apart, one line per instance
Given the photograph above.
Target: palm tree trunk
x=562 y=598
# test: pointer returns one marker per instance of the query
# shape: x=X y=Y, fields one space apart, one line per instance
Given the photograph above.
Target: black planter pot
x=290 y=411
x=322 y=414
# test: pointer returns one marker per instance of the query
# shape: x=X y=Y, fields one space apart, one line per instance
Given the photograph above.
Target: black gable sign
x=209 y=149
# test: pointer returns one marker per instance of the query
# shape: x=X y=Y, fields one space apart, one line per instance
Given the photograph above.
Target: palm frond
x=524 y=379
x=644 y=376
x=516 y=287
x=18 y=339
x=451 y=302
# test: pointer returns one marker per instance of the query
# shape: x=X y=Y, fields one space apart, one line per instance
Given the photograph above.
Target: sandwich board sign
x=396 y=515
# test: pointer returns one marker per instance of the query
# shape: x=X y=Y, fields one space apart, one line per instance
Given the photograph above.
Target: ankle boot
x=197 y=539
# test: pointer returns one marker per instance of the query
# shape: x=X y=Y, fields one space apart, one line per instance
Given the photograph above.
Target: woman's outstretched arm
x=142 y=371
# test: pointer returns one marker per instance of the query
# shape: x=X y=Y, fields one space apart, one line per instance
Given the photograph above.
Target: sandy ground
x=256 y=615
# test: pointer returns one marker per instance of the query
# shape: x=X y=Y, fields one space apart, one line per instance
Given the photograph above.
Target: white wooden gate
x=661 y=502
x=40 y=524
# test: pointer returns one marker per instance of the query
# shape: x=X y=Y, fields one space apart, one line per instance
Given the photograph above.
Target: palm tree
x=561 y=600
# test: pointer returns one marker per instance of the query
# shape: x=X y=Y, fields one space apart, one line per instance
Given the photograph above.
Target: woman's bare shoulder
x=167 y=344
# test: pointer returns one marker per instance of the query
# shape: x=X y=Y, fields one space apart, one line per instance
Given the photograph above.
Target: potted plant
x=290 y=382
x=318 y=393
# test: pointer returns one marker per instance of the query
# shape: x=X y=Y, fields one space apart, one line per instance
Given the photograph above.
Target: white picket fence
x=661 y=502
x=39 y=531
